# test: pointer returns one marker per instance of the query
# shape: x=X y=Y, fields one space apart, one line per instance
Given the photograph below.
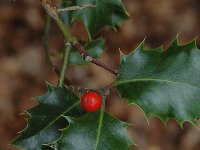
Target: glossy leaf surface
x=46 y=118
x=163 y=83
x=106 y=13
x=95 y=131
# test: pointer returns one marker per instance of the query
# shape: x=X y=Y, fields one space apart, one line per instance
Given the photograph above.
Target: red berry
x=91 y=101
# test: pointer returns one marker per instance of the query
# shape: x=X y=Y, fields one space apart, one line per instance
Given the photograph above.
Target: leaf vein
x=156 y=80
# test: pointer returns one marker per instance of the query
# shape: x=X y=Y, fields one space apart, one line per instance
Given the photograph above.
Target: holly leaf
x=163 y=83
x=94 y=49
x=46 y=118
x=98 y=131
x=106 y=13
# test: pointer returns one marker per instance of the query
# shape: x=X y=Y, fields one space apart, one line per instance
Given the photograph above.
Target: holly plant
x=163 y=83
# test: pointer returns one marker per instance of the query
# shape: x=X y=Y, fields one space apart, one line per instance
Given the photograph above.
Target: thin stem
x=75 y=8
x=46 y=42
x=52 y=12
x=64 y=64
x=66 y=81
x=47 y=51
x=100 y=124
x=88 y=58
x=66 y=32
x=68 y=37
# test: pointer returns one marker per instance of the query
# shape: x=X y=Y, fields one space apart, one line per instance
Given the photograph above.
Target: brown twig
x=75 y=8
x=50 y=9
x=88 y=58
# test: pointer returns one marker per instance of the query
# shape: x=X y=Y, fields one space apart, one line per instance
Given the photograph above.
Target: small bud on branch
x=86 y=57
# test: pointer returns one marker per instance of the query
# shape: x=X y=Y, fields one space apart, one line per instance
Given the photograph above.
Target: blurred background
x=23 y=70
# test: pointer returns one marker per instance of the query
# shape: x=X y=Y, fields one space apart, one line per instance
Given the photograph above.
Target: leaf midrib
x=152 y=79
x=70 y=108
x=99 y=127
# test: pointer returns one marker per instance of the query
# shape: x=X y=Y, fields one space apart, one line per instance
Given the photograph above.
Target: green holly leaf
x=46 y=118
x=163 y=83
x=94 y=49
x=106 y=13
x=98 y=131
